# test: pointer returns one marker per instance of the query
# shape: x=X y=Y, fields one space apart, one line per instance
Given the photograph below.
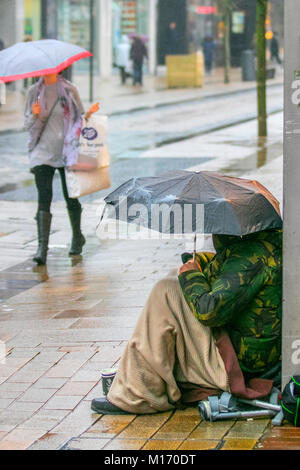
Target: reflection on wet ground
x=120 y=171
x=264 y=154
x=19 y=278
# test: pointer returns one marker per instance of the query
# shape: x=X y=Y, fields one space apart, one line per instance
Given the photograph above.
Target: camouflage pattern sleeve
x=237 y=283
x=203 y=258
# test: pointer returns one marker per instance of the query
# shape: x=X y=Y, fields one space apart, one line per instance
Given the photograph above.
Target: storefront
x=129 y=17
x=242 y=29
x=194 y=20
x=66 y=20
x=73 y=25
x=32 y=20
x=203 y=21
x=197 y=19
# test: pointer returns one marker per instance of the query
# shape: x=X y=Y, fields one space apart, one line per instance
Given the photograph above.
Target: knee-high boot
x=43 y=225
x=78 y=239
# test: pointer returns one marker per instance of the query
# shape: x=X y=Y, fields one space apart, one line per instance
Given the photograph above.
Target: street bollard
x=248 y=66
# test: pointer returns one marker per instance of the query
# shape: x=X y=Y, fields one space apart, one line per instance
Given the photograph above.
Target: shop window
x=74 y=27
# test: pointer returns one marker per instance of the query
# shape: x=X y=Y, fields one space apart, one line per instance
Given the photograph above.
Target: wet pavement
x=136 y=138
x=62 y=331
x=62 y=324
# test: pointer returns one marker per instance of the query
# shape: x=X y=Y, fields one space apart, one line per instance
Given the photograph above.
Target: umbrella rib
x=207 y=181
x=36 y=46
x=229 y=182
x=175 y=183
x=14 y=57
x=55 y=62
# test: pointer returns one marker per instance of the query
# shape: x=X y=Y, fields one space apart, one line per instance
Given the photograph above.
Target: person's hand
x=190 y=265
x=36 y=109
x=93 y=109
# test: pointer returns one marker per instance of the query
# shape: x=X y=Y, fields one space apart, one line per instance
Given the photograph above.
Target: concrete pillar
x=291 y=212
x=11 y=21
x=152 y=46
x=105 y=38
x=19 y=20
x=12 y=27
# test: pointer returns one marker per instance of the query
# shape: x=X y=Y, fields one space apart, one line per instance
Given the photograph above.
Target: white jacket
x=123 y=53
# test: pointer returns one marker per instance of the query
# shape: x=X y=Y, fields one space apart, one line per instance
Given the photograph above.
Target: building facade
x=74 y=20
x=99 y=25
x=11 y=21
x=197 y=19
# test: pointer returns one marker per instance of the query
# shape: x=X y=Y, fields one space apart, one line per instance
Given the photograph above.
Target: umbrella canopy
x=143 y=37
x=37 y=58
x=208 y=203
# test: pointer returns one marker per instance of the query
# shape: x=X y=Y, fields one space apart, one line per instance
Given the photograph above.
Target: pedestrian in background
x=172 y=39
x=209 y=53
x=138 y=53
x=53 y=117
x=275 y=48
x=123 y=58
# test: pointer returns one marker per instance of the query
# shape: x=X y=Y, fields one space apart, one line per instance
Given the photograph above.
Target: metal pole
x=291 y=212
x=152 y=26
x=49 y=20
x=92 y=50
x=261 y=13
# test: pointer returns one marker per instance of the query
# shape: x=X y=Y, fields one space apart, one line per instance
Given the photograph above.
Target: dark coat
x=138 y=51
x=240 y=288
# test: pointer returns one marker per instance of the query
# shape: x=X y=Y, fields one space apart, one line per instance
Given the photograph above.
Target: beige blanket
x=169 y=346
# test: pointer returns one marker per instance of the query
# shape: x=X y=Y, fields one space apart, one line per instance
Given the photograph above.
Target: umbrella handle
x=195 y=241
x=104 y=209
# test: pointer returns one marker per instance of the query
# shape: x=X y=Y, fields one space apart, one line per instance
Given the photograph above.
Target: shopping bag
x=129 y=68
x=81 y=183
x=92 y=144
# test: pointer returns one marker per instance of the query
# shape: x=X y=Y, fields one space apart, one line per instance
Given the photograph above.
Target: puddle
x=42 y=271
x=15 y=186
x=14 y=280
x=76 y=260
x=265 y=153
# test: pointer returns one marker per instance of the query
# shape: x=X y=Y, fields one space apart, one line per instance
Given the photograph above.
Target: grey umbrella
x=195 y=202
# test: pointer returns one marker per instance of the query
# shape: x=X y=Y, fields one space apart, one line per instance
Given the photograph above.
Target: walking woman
x=53 y=117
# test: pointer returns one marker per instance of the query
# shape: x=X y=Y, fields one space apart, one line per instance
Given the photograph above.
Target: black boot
x=105 y=407
x=78 y=239
x=43 y=224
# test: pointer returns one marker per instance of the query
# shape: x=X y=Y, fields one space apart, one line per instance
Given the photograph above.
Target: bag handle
x=46 y=122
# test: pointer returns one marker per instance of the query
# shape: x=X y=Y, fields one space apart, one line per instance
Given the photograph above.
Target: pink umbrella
x=143 y=37
x=37 y=58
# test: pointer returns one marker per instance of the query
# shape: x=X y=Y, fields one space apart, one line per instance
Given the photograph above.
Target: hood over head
x=272 y=236
x=124 y=39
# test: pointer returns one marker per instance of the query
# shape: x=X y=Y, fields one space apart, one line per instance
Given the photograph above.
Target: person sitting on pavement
x=216 y=323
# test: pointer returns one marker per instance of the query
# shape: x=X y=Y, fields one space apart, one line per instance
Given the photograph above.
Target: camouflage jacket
x=240 y=288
